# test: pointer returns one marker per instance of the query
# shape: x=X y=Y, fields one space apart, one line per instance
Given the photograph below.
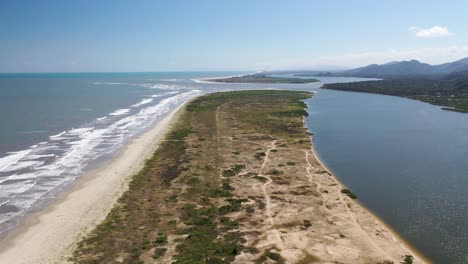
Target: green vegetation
x=183 y=200
x=408 y=259
x=349 y=193
x=234 y=170
x=260 y=155
x=451 y=92
x=263 y=78
x=270 y=255
x=291 y=113
x=159 y=252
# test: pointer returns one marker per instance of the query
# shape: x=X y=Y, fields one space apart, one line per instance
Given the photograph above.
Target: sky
x=216 y=35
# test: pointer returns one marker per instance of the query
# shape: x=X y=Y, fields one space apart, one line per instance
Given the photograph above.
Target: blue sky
x=115 y=35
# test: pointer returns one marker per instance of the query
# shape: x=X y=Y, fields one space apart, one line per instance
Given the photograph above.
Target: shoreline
x=208 y=79
x=418 y=256
x=50 y=234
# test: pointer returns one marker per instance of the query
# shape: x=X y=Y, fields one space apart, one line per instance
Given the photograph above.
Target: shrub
x=259 y=155
x=408 y=259
x=159 y=252
x=161 y=239
x=349 y=193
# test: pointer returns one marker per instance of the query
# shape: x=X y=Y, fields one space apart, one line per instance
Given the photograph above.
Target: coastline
x=50 y=234
x=418 y=256
x=209 y=79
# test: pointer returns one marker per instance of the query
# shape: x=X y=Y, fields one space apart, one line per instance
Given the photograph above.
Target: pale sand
x=49 y=235
x=380 y=224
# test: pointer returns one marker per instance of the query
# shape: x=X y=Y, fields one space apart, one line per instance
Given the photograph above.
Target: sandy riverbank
x=374 y=223
x=49 y=235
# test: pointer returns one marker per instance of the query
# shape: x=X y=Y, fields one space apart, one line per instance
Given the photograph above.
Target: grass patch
x=159 y=252
x=234 y=170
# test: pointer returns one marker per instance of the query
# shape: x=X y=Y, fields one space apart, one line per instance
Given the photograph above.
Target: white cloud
x=433 y=32
x=352 y=60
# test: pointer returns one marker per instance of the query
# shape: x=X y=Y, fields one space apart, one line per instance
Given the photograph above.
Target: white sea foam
x=58 y=135
x=79 y=131
x=37 y=173
x=22 y=165
x=120 y=112
x=143 y=102
x=12 y=159
x=101 y=118
x=35 y=157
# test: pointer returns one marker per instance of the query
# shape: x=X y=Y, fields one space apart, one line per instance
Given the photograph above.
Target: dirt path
x=265 y=192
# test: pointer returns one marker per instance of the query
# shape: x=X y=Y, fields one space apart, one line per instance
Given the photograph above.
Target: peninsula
x=236 y=181
x=262 y=78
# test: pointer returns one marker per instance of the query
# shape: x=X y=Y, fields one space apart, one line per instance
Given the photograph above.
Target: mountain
x=412 y=68
x=456 y=66
x=459 y=80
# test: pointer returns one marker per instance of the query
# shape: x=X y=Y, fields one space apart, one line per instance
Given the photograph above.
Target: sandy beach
x=48 y=236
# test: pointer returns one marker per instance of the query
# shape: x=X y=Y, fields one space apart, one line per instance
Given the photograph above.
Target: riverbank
x=260 y=195
x=368 y=214
x=48 y=236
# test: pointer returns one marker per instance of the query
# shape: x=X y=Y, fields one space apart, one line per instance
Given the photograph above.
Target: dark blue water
x=406 y=160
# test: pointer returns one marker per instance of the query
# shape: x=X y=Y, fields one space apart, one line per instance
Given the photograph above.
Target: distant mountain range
x=398 y=69
x=445 y=84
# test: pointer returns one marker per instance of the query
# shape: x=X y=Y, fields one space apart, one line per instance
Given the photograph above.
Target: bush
x=259 y=155
x=161 y=239
x=234 y=170
x=408 y=259
x=349 y=193
x=159 y=252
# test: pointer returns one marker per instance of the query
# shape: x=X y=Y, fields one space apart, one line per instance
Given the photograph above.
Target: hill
x=398 y=69
x=449 y=91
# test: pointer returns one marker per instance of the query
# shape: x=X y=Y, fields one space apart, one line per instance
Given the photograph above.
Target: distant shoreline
x=260 y=78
